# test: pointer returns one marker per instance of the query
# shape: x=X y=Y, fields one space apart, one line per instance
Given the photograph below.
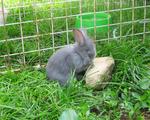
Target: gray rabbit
x=72 y=58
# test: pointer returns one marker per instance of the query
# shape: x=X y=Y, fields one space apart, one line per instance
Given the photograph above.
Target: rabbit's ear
x=84 y=31
x=79 y=37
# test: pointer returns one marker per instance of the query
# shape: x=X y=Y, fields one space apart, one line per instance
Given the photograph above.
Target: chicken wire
x=33 y=30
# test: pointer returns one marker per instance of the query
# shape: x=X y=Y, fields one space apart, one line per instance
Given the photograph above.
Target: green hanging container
x=102 y=22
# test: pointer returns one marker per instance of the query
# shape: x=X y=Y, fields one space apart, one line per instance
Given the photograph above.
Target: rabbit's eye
x=90 y=54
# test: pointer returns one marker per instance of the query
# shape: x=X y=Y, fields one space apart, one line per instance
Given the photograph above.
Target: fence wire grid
x=31 y=30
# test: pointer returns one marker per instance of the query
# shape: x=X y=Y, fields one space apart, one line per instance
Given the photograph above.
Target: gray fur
x=72 y=58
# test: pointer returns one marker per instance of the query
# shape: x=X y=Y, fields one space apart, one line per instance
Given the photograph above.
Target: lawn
x=28 y=95
x=37 y=31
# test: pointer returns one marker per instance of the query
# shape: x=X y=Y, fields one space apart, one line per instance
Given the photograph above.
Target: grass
x=31 y=13
x=28 y=95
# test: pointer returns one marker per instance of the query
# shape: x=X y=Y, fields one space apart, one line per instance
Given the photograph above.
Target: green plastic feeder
x=102 y=21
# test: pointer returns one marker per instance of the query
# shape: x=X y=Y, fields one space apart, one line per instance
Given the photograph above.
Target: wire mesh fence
x=30 y=31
